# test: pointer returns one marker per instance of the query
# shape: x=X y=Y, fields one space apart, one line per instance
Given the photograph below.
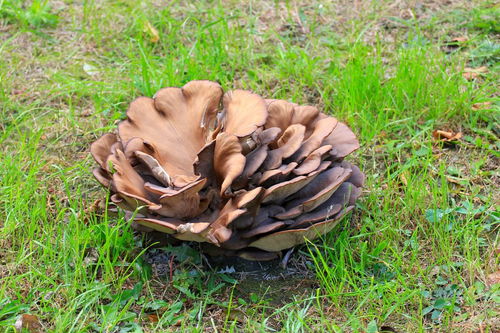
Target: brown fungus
x=248 y=176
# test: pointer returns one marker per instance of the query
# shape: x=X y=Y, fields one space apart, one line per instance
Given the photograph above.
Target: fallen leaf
x=493 y=278
x=456 y=180
x=481 y=106
x=469 y=76
x=86 y=113
x=460 y=39
x=154 y=36
x=454 y=44
x=446 y=136
x=473 y=73
x=402 y=176
x=482 y=69
x=153 y=318
x=29 y=322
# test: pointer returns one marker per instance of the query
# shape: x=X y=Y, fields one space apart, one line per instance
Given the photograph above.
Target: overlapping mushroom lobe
x=247 y=175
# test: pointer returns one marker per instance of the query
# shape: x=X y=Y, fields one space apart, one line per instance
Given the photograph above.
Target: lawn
x=420 y=252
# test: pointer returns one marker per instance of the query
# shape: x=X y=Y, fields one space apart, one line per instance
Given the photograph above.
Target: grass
x=417 y=253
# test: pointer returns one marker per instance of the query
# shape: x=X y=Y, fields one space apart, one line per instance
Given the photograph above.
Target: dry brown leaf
x=482 y=69
x=469 y=76
x=460 y=39
x=153 y=318
x=455 y=43
x=481 y=106
x=402 y=176
x=86 y=113
x=154 y=36
x=446 y=136
x=493 y=278
x=455 y=180
x=29 y=322
x=473 y=73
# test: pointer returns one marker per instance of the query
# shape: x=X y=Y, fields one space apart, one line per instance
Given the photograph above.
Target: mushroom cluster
x=246 y=175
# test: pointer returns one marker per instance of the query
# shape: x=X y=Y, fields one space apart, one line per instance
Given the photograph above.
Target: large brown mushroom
x=244 y=174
